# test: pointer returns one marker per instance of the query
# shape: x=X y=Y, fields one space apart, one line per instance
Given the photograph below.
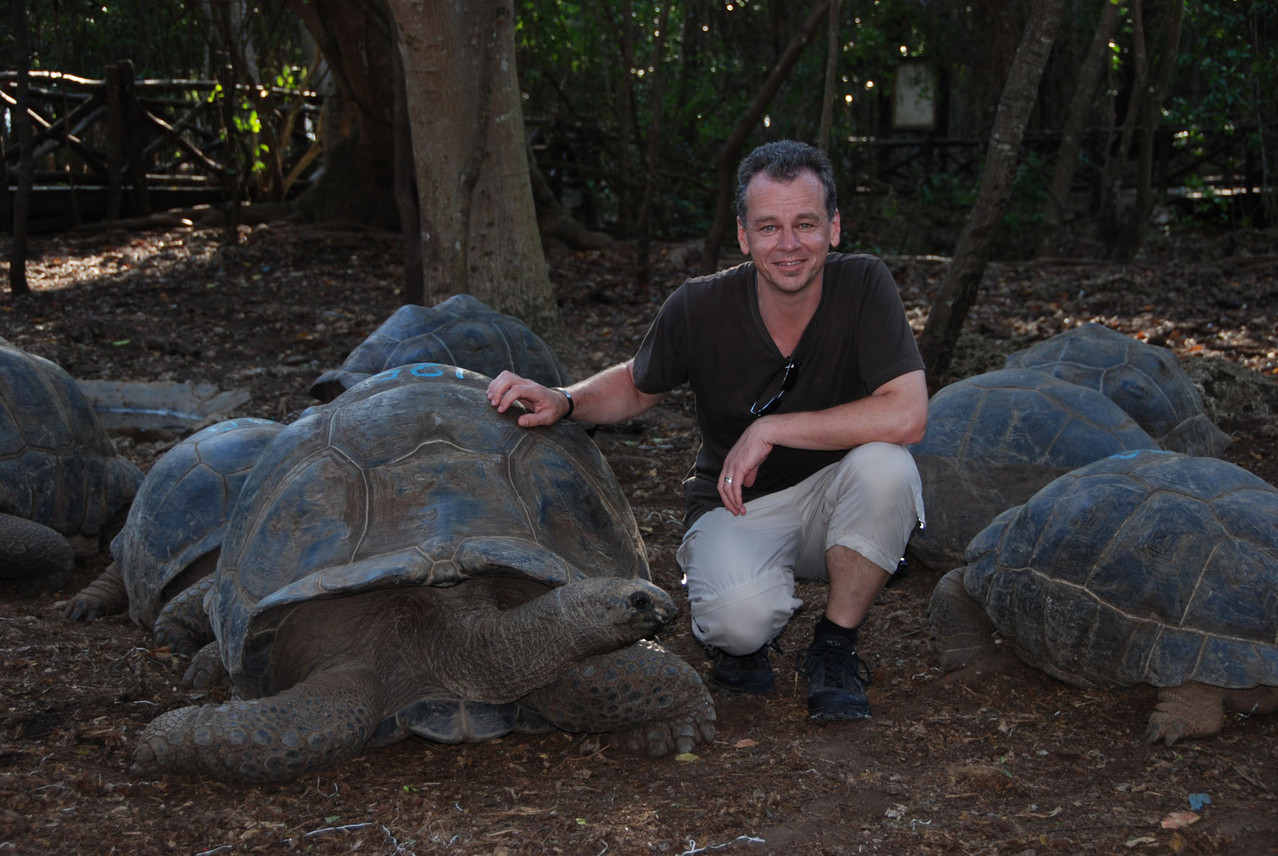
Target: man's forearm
x=895 y=413
x=610 y=397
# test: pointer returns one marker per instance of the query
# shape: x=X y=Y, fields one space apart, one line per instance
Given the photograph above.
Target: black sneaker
x=750 y=674
x=837 y=678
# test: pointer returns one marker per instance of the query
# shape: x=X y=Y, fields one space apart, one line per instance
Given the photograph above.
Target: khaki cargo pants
x=740 y=571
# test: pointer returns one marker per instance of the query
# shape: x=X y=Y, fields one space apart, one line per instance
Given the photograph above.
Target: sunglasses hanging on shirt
x=777 y=386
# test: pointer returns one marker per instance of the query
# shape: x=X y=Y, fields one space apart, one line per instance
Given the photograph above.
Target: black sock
x=826 y=627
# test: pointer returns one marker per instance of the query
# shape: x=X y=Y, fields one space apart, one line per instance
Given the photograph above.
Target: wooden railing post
x=115 y=141
x=133 y=140
x=124 y=149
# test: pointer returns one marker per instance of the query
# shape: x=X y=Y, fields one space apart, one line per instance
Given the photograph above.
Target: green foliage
x=1228 y=65
x=1024 y=214
x=83 y=37
x=589 y=109
x=1227 y=83
x=947 y=190
x=595 y=76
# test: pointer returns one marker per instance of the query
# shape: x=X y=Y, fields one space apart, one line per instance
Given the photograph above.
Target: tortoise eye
x=640 y=600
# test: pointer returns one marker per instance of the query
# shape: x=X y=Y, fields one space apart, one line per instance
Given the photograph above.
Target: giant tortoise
x=1145 y=567
x=1145 y=380
x=461 y=331
x=63 y=486
x=995 y=438
x=164 y=557
x=407 y=560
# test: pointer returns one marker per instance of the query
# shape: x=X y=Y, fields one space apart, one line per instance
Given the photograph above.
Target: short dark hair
x=784 y=160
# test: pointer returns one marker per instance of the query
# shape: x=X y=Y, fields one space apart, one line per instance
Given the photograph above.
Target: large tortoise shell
x=460 y=331
x=1150 y=567
x=58 y=467
x=995 y=438
x=179 y=516
x=411 y=478
x=1145 y=380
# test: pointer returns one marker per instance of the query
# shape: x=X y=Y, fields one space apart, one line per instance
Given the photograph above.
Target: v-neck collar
x=752 y=288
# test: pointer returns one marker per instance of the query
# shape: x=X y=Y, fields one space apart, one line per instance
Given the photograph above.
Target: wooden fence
x=1222 y=160
x=123 y=147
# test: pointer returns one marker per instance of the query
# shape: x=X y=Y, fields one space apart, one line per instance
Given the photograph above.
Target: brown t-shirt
x=709 y=334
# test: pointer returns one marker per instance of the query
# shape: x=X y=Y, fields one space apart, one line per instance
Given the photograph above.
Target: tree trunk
x=625 y=118
x=644 y=272
x=989 y=40
x=1089 y=77
x=1132 y=234
x=410 y=221
x=26 y=168
x=1116 y=158
x=225 y=74
x=6 y=199
x=963 y=276
x=730 y=152
x=358 y=129
x=554 y=222
x=831 y=78
x=478 y=222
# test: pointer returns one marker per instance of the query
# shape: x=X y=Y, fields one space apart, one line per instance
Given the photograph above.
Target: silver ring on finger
x=727 y=479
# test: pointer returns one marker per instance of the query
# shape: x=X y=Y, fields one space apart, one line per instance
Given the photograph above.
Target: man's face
x=789 y=235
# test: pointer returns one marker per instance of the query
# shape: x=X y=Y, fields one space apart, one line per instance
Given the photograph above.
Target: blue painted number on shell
x=418 y=370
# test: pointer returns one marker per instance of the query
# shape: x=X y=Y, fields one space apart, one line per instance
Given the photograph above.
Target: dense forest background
x=632 y=109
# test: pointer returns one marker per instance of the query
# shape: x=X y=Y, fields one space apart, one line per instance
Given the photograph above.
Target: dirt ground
x=1000 y=760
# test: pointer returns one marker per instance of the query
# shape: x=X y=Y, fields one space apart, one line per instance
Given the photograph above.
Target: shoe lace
x=839 y=663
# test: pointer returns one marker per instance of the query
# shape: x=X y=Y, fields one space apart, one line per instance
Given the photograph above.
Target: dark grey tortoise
x=995 y=438
x=1146 y=567
x=1145 y=380
x=460 y=331
x=63 y=487
x=164 y=557
x=406 y=560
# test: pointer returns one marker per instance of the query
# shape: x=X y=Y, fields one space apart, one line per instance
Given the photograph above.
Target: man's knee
x=742 y=620
x=881 y=471
x=877 y=503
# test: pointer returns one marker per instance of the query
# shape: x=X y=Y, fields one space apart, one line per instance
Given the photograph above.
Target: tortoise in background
x=460 y=331
x=1145 y=567
x=1145 y=380
x=164 y=557
x=406 y=560
x=994 y=439
x=63 y=487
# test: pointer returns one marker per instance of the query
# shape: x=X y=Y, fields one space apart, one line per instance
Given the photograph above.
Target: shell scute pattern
x=1176 y=569
x=460 y=331
x=58 y=467
x=180 y=513
x=1146 y=380
x=996 y=438
x=397 y=484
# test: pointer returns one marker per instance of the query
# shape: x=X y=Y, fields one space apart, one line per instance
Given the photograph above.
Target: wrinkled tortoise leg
x=32 y=553
x=317 y=723
x=182 y=624
x=206 y=669
x=1199 y=709
x=962 y=631
x=104 y=596
x=655 y=698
